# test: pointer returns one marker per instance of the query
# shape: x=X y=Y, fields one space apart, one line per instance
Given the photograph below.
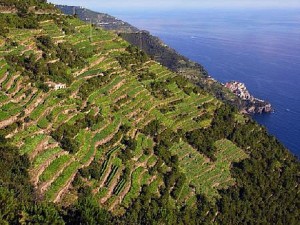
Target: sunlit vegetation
x=93 y=124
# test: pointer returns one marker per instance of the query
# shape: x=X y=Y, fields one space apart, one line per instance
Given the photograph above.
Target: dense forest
x=120 y=143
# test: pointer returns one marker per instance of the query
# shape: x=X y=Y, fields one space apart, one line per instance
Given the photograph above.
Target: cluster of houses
x=239 y=89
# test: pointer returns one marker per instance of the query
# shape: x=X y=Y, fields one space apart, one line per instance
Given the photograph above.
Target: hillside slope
x=103 y=105
x=168 y=57
x=96 y=117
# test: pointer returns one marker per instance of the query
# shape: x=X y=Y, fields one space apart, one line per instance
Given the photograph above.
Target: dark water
x=259 y=48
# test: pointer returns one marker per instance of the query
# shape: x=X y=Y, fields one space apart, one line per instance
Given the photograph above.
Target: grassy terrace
x=45 y=155
x=50 y=28
x=31 y=143
x=62 y=180
x=55 y=167
x=206 y=176
x=139 y=177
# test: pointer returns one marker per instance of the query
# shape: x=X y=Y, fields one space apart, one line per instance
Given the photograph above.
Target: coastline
x=170 y=58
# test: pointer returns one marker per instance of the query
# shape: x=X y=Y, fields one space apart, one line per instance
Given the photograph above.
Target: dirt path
x=3 y=78
x=7 y=122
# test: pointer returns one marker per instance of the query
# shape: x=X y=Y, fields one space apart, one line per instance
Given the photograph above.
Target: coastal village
x=239 y=89
x=254 y=105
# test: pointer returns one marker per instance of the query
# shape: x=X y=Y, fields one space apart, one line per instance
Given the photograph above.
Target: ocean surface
x=258 y=47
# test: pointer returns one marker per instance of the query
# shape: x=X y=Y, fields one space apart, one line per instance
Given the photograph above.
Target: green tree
x=8 y=206
x=44 y=213
x=3 y=30
x=88 y=212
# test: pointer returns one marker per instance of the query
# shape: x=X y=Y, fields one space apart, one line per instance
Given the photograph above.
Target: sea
x=259 y=47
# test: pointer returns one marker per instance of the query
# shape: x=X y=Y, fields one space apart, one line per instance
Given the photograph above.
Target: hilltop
x=94 y=131
x=102 y=20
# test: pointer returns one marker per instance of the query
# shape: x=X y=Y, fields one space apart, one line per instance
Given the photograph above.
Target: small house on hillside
x=56 y=86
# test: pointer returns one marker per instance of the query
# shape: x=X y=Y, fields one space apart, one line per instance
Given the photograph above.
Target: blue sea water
x=258 y=47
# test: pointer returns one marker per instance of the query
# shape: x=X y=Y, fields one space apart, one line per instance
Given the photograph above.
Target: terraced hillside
x=91 y=123
x=97 y=117
x=96 y=128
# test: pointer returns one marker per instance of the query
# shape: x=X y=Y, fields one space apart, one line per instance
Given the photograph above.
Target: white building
x=59 y=86
x=56 y=86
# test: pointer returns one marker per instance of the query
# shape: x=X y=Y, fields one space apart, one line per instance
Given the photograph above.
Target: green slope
x=123 y=126
x=113 y=86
